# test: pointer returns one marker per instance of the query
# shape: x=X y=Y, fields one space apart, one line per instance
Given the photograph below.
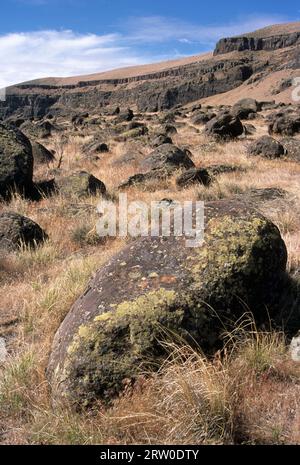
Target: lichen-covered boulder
x=16 y=161
x=169 y=157
x=80 y=184
x=159 y=288
x=17 y=230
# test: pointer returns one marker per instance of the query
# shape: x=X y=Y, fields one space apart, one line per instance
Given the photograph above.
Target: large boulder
x=17 y=230
x=16 y=161
x=225 y=126
x=284 y=123
x=159 y=288
x=266 y=147
x=245 y=107
x=80 y=184
x=41 y=155
x=169 y=157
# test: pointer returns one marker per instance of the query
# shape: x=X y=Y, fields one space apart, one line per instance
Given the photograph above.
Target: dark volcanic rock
x=194 y=176
x=141 y=179
x=40 y=154
x=17 y=230
x=157 y=288
x=266 y=147
x=245 y=107
x=161 y=139
x=202 y=117
x=284 y=123
x=241 y=44
x=225 y=126
x=16 y=161
x=168 y=157
x=80 y=184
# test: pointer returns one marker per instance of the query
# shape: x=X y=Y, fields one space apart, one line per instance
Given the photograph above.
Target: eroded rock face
x=241 y=44
x=17 y=230
x=158 y=287
x=16 y=161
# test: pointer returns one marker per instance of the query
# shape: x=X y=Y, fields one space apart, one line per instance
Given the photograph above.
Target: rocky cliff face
x=241 y=44
x=154 y=92
x=161 y=90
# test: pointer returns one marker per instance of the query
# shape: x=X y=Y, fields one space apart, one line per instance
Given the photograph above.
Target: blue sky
x=40 y=38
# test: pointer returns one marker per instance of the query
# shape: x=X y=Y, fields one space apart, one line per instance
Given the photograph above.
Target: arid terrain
x=164 y=344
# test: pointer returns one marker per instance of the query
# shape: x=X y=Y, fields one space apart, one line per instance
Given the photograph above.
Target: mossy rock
x=80 y=184
x=16 y=161
x=159 y=288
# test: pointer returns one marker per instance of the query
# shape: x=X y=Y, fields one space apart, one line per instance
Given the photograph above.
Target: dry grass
x=247 y=394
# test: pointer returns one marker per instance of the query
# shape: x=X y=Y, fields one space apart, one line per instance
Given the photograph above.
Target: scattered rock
x=202 y=117
x=194 y=176
x=17 y=230
x=80 y=184
x=143 y=178
x=161 y=139
x=168 y=157
x=266 y=147
x=285 y=124
x=225 y=126
x=245 y=107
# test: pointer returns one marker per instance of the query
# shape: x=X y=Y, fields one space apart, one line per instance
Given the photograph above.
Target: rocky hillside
x=250 y=60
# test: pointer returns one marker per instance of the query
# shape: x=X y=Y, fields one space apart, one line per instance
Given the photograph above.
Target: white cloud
x=31 y=55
